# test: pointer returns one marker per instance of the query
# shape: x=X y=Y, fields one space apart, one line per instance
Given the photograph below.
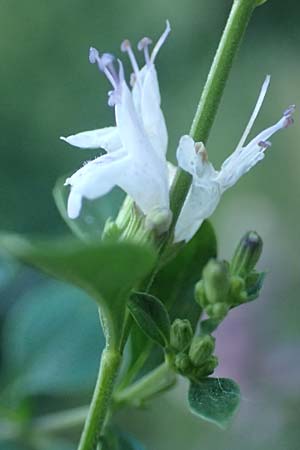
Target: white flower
x=209 y=184
x=136 y=147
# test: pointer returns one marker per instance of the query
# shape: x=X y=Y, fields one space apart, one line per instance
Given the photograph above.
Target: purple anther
x=144 y=43
x=93 y=55
x=125 y=45
x=264 y=144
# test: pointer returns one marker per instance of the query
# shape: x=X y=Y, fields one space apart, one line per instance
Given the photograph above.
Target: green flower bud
x=181 y=334
x=200 y=296
x=237 y=292
x=247 y=254
x=217 y=311
x=201 y=349
x=182 y=362
x=206 y=369
x=216 y=281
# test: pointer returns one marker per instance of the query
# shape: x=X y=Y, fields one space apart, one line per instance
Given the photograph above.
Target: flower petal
x=107 y=138
x=152 y=116
x=147 y=182
x=243 y=159
x=95 y=179
x=186 y=155
x=200 y=203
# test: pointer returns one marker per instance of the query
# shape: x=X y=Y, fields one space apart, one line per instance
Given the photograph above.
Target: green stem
x=212 y=93
x=110 y=363
x=151 y=384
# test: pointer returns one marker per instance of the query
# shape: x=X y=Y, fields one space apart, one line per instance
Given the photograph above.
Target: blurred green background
x=50 y=341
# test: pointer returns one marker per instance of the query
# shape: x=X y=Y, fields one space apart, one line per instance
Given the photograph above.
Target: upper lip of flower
x=136 y=147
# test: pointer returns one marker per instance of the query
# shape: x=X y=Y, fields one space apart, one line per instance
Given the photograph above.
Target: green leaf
x=175 y=282
x=151 y=316
x=94 y=213
x=214 y=400
x=47 y=334
x=106 y=271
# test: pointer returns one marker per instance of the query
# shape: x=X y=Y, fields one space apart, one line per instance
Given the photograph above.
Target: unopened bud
x=181 y=334
x=217 y=311
x=200 y=296
x=182 y=362
x=208 y=368
x=216 y=281
x=237 y=291
x=201 y=349
x=247 y=254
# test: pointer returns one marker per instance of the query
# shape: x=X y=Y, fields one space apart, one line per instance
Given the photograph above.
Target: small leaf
x=90 y=224
x=106 y=271
x=214 y=400
x=151 y=316
x=175 y=283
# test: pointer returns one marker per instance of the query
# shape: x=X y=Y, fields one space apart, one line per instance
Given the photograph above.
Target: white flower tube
x=209 y=184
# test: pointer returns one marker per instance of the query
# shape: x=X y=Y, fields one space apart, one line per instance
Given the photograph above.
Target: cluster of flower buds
x=193 y=354
x=226 y=285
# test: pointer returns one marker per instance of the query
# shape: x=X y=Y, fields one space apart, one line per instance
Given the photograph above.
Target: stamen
x=256 y=110
x=126 y=47
x=160 y=41
x=105 y=65
x=264 y=144
x=288 y=116
x=290 y=110
x=143 y=44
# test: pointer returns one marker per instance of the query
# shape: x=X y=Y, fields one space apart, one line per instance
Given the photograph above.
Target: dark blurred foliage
x=48 y=89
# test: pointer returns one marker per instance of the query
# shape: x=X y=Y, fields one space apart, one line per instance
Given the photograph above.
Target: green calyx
x=201 y=349
x=181 y=334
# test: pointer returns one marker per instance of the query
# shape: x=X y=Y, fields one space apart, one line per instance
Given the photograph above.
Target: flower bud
x=182 y=362
x=247 y=254
x=207 y=368
x=200 y=296
x=216 y=281
x=237 y=291
x=181 y=334
x=201 y=349
x=217 y=311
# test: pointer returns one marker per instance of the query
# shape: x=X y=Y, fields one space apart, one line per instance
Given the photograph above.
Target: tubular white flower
x=208 y=184
x=136 y=147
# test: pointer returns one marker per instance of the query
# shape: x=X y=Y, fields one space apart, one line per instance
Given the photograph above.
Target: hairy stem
x=95 y=421
x=212 y=93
